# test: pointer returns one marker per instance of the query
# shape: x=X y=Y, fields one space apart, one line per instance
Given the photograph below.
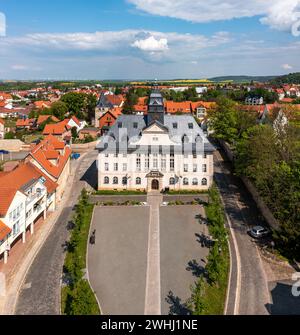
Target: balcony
x=35 y=197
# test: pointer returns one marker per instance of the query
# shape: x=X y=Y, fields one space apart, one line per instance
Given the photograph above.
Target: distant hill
x=243 y=79
x=292 y=78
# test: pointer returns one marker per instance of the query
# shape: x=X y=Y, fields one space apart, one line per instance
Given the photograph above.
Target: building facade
x=155 y=152
x=26 y=195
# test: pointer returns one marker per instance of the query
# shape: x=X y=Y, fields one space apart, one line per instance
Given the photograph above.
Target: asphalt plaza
x=117 y=263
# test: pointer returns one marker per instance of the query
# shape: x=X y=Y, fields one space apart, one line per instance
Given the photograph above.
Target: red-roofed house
x=43 y=118
x=42 y=104
x=106 y=103
x=172 y=107
x=108 y=119
x=25 y=124
x=59 y=130
x=26 y=194
x=52 y=157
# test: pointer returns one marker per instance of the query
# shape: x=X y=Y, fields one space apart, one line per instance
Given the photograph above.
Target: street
x=249 y=293
x=40 y=294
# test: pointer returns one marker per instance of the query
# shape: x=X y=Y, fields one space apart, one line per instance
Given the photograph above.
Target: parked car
x=259 y=232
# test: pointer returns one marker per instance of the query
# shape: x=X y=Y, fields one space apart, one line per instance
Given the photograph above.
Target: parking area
x=181 y=255
x=118 y=261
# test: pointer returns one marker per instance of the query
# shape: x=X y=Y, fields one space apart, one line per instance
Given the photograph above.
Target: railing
x=34 y=197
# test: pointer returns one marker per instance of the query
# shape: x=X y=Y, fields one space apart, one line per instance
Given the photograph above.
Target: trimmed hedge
x=209 y=292
x=77 y=297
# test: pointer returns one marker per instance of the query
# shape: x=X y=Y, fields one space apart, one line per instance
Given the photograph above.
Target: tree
x=91 y=103
x=75 y=103
x=131 y=101
x=59 y=109
x=223 y=120
x=82 y=300
x=9 y=136
x=74 y=133
x=196 y=303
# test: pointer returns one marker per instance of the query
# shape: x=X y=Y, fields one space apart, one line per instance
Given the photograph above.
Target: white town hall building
x=155 y=152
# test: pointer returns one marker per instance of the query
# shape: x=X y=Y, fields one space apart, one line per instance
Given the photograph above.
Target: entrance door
x=155 y=184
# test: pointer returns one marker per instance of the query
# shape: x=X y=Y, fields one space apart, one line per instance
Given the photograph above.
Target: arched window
x=195 y=181
x=115 y=181
x=185 y=181
x=106 y=180
x=204 y=182
x=172 y=181
x=124 y=180
x=185 y=138
x=138 y=181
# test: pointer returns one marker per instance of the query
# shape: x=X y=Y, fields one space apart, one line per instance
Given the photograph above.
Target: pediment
x=156 y=127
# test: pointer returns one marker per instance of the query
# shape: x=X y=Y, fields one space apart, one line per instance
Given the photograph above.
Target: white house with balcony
x=24 y=200
x=155 y=152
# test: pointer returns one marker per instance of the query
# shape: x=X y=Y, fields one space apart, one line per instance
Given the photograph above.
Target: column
x=24 y=236
x=5 y=256
x=32 y=228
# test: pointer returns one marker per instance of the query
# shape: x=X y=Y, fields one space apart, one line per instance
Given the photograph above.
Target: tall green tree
x=59 y=109
x=223 y=120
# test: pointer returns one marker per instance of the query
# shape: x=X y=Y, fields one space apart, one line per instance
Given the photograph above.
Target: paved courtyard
x=140 y=254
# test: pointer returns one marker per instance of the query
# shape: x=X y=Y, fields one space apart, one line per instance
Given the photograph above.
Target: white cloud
x=19 y=67
x=278 y=14
x=286 y=66
x=151 y=44
x=157 y=45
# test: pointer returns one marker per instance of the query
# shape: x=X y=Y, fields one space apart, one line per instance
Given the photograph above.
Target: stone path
x=153 y=291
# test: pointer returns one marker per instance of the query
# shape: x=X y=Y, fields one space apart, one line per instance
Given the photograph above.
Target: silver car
x=259 y=231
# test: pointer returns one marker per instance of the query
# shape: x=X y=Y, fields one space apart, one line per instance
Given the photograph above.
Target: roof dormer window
x=175 y=125
x=191 y=126
x=120 y=125
x=135 y=125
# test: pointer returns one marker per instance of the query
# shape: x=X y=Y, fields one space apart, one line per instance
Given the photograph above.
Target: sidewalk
x=22 y=255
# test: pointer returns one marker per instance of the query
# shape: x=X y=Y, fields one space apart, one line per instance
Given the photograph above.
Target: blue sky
x=139 y=39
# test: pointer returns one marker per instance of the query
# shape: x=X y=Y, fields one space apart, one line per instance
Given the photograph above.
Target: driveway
x=145 y=258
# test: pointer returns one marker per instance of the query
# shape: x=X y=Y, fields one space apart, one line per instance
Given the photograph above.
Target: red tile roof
x=4 y=230
x=115 y=100
x=57 y=128
x=175 y=107
x=43 y=118
x=7 y=195
x=41 y=152
x=42 y=104
x=12 y=181
x=74 y=118
x=24 y=123
x=5 y=96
